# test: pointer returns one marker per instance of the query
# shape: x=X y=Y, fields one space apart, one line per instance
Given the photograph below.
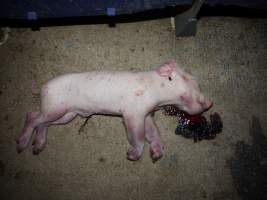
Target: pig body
x=132 y=95
x=98 y=92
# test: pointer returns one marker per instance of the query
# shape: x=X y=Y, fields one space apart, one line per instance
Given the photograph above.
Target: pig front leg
x=152 y=136
x=135 y=126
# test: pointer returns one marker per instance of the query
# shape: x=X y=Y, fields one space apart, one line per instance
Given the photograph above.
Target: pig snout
x=208 y=104
x=196 y=105
x=205 y=104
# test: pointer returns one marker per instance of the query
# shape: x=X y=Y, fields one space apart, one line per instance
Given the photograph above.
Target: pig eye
x=170 y=78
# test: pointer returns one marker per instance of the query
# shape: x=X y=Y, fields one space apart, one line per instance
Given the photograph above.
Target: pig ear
x=168 y=69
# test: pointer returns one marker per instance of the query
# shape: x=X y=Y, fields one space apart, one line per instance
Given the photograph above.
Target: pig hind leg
x=152 y=136
x=41 y=131
x=27 y=131
x=65 y=118
x=33 y=120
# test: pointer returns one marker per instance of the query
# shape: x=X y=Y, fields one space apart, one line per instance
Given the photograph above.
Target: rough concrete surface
x=229 y=57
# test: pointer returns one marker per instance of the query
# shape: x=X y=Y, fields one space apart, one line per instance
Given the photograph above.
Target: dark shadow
x=232 y=11
x=127 y=18
x=206 y=10
x=249 y=165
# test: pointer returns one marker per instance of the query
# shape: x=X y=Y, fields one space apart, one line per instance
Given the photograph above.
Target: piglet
x=134 y=95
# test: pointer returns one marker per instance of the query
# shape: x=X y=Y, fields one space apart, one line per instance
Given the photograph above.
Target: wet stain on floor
x=101 y=159
x=249 y=166
x=2 y=168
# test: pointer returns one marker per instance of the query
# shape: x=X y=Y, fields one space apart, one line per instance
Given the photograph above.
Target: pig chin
x=192 y=110
x=195 y=112
x=199 y=109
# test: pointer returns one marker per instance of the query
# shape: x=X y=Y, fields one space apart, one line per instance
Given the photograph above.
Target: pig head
x=182 y=90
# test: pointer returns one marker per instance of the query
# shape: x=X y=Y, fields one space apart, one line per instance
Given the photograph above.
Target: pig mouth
x=208 y=106
x=174 y=110
x=171 y=110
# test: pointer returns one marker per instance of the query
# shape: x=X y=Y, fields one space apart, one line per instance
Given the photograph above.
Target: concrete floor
x=228 y=55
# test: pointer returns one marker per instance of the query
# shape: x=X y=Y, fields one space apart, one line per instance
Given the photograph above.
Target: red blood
x=195 y=118
x=183 y=116
x=195 y=126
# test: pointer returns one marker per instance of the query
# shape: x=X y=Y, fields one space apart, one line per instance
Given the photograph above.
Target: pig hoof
x=19 y=150
x=156 y=156
x=156 y=152
x=37 y=148
x=21 y=144
x=132 y=158
x=133 y=155
x=36 y=151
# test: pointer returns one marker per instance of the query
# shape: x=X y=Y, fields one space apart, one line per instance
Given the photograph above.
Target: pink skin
x=135 y=126
x=138 y=92
x=153 y=138
x=85 y=94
